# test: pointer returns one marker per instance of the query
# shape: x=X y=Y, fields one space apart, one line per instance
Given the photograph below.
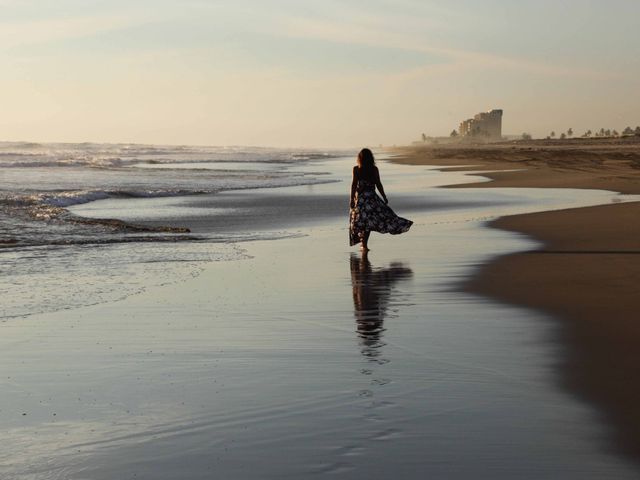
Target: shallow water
x=39 y=181
x=301 y=359
x=42 y=240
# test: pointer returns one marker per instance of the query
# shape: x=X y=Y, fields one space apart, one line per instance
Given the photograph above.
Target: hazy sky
x=312 y=72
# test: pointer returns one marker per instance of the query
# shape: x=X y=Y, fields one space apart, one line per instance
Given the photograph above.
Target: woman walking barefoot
x=370 y=213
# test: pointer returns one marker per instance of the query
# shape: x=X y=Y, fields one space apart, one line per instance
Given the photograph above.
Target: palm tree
x=553 y=134
x=563 y=136
x=570 y=132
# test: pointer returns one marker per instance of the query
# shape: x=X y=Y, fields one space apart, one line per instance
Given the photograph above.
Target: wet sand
x=586 y=271
x=299 y=358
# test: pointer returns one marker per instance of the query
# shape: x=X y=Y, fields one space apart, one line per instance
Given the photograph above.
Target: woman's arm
x=354 y=184
x=380 y=187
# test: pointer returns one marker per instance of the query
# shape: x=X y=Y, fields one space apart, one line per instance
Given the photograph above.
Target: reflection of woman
x=372 y=291
x=368 y=211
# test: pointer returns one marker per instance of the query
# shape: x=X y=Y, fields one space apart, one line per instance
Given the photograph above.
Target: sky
x=312 y=73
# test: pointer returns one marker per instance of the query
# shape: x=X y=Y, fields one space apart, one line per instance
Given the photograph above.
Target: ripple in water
x=31 y=280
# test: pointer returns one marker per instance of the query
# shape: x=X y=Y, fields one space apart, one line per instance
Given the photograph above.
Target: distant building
x=486 y=125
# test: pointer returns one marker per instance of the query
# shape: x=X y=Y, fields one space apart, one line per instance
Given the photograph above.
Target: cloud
x=385 y=36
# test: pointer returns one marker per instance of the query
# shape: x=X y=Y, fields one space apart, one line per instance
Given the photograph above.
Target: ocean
x=53 y=258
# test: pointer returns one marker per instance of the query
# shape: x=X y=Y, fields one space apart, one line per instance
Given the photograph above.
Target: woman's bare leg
x=365 y=241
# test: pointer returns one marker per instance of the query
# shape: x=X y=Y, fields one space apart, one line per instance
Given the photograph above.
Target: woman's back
x=366 y=178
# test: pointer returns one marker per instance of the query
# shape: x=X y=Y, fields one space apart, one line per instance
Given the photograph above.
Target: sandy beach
x=319 y=240
x=283 y=353
x=586 y=271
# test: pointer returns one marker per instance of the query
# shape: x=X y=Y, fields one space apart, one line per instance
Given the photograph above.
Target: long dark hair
x=367 y=164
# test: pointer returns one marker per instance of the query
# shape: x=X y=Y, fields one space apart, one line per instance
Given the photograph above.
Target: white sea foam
x=34 y=155
x=67 y=199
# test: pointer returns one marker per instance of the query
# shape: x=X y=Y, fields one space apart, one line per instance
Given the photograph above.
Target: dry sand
x=587 y=272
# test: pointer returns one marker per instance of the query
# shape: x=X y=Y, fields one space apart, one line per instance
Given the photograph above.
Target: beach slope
x=586 y=271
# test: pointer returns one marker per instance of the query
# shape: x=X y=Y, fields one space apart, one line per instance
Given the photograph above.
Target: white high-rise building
x=486 y=125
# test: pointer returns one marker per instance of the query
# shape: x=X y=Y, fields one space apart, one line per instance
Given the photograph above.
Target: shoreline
x=351 y=365
x=586 y=273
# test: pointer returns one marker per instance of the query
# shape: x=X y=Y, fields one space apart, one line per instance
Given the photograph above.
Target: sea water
x=52 y=259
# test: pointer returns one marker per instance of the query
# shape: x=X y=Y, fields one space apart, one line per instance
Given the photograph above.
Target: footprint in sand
x=388 y=434
x=380 y=381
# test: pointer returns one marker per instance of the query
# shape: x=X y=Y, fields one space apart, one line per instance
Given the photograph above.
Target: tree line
x=602 y=133
x=628 y=131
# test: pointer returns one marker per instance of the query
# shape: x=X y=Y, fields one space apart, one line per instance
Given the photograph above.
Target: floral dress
x=371 y=214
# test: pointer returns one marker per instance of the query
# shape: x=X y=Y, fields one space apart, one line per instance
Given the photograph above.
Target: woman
x=368 y=211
